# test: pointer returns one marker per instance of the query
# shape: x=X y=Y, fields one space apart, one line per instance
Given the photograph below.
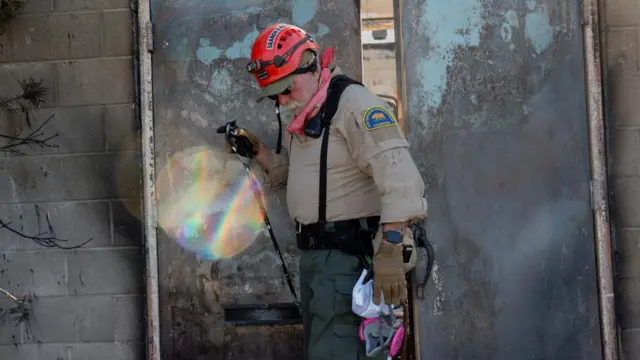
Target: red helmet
x=277 y=52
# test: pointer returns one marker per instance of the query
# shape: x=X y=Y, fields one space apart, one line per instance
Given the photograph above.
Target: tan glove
x=388 y=274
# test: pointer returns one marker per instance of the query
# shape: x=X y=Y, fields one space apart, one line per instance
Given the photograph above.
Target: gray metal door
x=496 y=115
x=200 y=82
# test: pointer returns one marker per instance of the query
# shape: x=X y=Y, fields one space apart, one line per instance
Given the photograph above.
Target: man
x=370 y=185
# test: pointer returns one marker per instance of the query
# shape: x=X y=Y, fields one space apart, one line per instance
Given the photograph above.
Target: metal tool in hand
x=230 y=129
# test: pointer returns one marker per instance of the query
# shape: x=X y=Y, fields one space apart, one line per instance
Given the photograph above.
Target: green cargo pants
x=327 y=278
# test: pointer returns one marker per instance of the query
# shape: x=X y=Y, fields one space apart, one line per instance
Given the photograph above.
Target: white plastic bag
x=362 y=301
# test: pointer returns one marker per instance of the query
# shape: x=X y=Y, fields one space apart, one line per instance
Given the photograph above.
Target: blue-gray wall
x=497 y=120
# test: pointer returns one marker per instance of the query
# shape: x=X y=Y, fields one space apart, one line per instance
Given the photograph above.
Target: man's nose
x=283 y=99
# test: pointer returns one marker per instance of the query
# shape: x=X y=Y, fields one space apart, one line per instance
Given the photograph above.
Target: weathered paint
x=207 y=53
x=497 y=120
x=238 y=50
x=200 y=82
x=446 y=25
x=303 y=11
x=538 y=30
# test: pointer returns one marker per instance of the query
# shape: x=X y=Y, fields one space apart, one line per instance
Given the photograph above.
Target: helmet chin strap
x=279 y=144
x=297 y=124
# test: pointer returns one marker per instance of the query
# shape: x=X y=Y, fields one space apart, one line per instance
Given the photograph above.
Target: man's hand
x=388 y=274
x=245 y=142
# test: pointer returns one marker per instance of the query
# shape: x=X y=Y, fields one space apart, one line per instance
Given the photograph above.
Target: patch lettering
x=377 y=117
x=272 y=37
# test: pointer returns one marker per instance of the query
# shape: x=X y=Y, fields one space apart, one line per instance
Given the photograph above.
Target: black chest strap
x=337 y=85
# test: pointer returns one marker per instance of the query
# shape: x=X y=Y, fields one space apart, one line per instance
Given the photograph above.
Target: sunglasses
x=286 y=91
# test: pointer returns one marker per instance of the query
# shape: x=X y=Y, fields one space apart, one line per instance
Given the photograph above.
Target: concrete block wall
x=622 y=20
x=88 y=302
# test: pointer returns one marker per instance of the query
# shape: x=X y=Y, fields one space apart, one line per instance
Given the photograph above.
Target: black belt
x=351 y=236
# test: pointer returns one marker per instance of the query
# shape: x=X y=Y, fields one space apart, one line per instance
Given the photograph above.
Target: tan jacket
x=369 y=171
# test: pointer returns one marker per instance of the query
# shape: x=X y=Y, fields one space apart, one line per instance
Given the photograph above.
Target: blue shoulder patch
x=378 y=117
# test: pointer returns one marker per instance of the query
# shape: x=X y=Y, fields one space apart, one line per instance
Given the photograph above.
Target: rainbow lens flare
x=206 y=202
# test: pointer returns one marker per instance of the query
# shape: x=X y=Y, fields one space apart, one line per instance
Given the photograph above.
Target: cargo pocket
x=342 y=301
x=347 y=345
x=345 y=321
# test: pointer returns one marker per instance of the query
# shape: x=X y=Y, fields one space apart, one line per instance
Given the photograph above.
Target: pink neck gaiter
x=297 y=124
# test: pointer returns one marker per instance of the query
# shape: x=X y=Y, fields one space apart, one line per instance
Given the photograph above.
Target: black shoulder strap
x=337 y=85
x=279 y=143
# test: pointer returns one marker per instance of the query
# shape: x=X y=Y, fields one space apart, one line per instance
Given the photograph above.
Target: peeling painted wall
x=200 y=82
x=496 y=100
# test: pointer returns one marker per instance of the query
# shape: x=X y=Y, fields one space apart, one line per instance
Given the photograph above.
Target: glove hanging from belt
x=388 y=272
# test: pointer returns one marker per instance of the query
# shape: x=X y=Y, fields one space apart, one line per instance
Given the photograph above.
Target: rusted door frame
x=144 y=44
x=401 y=102
x=592 y=40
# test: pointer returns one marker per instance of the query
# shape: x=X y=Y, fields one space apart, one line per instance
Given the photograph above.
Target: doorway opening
x=378 y=19
x=379 y=49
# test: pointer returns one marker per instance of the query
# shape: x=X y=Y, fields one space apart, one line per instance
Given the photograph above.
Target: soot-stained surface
x=200 y=82
x=498 y=125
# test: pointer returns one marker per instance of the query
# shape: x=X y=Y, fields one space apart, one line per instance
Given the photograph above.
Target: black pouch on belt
x=350 y=236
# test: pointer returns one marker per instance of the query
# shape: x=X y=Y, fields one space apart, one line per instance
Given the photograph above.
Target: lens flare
x=206 y=202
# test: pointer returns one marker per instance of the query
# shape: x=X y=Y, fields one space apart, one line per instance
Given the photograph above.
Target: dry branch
x=31 y=96
x=20 y=312
x=8 y=10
